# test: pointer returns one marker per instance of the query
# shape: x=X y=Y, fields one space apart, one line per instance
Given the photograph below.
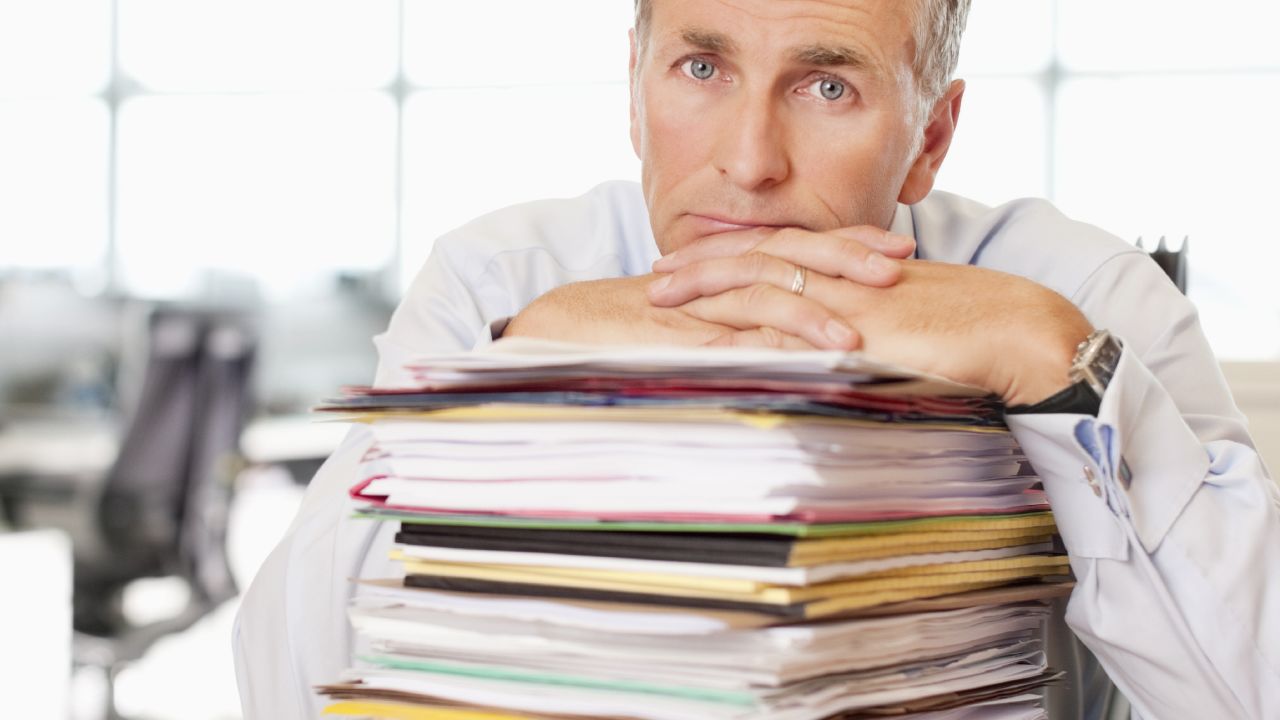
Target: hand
x=744 y=280
x=617 y=311
x=864 y=254
x=989 y=329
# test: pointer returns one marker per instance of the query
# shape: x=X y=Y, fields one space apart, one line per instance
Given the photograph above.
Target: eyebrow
x=831 y=56
x=708 y=41
x=816 y=54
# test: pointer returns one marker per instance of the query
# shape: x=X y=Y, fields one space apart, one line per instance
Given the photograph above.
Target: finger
x=741 y=242
x=760 y=306
x=727 y=244
x=716 y=275
x=764 y=337
x=880 y=240
x=838 y=253
x=832 y=254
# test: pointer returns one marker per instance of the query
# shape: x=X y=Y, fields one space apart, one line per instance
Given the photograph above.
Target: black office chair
x=162 y=509
x=1173 y=262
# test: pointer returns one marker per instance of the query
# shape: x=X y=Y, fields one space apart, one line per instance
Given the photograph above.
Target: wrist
x=1046 y=367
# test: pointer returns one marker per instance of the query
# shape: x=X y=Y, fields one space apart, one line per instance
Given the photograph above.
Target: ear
x=634 y=80
x=937 y=140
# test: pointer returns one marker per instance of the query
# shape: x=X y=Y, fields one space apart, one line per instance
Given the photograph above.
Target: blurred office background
x=239 y=191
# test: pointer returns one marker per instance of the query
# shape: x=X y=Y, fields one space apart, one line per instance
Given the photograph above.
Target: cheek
x=858 y=172
x=675 y=138
x=674 y=134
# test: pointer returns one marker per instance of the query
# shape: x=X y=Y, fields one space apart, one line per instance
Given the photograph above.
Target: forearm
x=609 y=312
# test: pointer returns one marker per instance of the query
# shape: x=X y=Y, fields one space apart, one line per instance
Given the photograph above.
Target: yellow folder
x=400 y=711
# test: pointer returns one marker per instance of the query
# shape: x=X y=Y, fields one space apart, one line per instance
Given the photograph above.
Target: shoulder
x=607 y=225
x=498 y=263
x=1028 y=237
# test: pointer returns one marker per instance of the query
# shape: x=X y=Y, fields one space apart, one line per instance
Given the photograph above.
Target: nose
x=751 y=147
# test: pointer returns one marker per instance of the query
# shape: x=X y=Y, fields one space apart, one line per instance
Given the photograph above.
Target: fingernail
x=838 y=332
x=879 y=264
x=666 y=259
x=660 y=284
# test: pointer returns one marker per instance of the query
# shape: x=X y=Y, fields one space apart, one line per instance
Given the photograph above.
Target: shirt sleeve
x=441 y=312
x=291 y=632
x=1171 y=521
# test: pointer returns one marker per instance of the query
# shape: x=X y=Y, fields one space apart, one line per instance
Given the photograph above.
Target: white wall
x=1256 y=386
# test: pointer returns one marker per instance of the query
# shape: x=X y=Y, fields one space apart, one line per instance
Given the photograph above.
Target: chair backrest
x=162 y=504
x=139 y=512
x=225 y=402
x=1173 y=262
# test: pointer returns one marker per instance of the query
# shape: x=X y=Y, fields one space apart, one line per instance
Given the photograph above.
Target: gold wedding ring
x=797 y=282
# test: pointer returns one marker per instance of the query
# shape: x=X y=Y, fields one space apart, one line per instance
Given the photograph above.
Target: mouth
x=714 y=224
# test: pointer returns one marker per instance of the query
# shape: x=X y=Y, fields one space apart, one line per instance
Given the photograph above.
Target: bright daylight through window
x=344 y=135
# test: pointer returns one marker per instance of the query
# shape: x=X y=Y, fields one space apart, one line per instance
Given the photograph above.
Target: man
x=789 y=150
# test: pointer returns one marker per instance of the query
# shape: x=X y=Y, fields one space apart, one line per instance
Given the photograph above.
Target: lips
x=712 y=224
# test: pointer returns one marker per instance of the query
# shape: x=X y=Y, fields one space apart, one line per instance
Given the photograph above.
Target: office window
x=1142 y=169
x=1004 y=112
x=151 y=141
x=469 y=151
x=1145 y=36
x=1146 y=118
x=256 y=139
x=279 y=187
x=54 y=47
x=509 y=43
x=510 y=101
x=54 y=135
x=258 y=45
x=1008 y=47
x=53 y=183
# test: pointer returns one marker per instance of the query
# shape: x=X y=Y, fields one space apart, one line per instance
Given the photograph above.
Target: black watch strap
x=1078 y=399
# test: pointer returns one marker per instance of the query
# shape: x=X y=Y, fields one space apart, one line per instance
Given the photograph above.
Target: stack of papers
x=663 y=533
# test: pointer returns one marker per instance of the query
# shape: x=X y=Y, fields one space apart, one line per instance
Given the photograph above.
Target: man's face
x=773 y=112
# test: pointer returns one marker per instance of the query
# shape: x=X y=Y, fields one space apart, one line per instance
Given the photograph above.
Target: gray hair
x=939 y=25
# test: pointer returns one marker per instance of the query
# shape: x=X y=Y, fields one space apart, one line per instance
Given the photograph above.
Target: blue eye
x=829 y=88
x=699 y=69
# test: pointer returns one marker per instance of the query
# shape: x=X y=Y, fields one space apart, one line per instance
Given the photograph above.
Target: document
x=671 y=534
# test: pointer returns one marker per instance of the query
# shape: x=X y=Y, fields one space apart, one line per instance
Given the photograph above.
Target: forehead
x=880 y=30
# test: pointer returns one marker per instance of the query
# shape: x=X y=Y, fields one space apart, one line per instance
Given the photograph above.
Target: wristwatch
x=1096 y=360
x=1091 y=371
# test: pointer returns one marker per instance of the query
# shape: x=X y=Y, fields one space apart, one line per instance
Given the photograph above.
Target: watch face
x=1105 y=359
x=1096 y=361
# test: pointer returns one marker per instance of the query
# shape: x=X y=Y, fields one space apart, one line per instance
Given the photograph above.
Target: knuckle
x=756 y=296
x=772 y=337
x=701 y=277
x=850 y=248
x=736 y=244
x=815 y=316
x=789 y=235
x=755 y=263
x=693 y=275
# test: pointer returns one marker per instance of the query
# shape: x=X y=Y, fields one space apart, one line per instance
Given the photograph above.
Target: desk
x=81 y=449
x=290 y=438
x=62 y=447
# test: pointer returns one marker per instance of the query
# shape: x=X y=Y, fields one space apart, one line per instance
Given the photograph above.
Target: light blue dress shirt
x=1177 y=561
